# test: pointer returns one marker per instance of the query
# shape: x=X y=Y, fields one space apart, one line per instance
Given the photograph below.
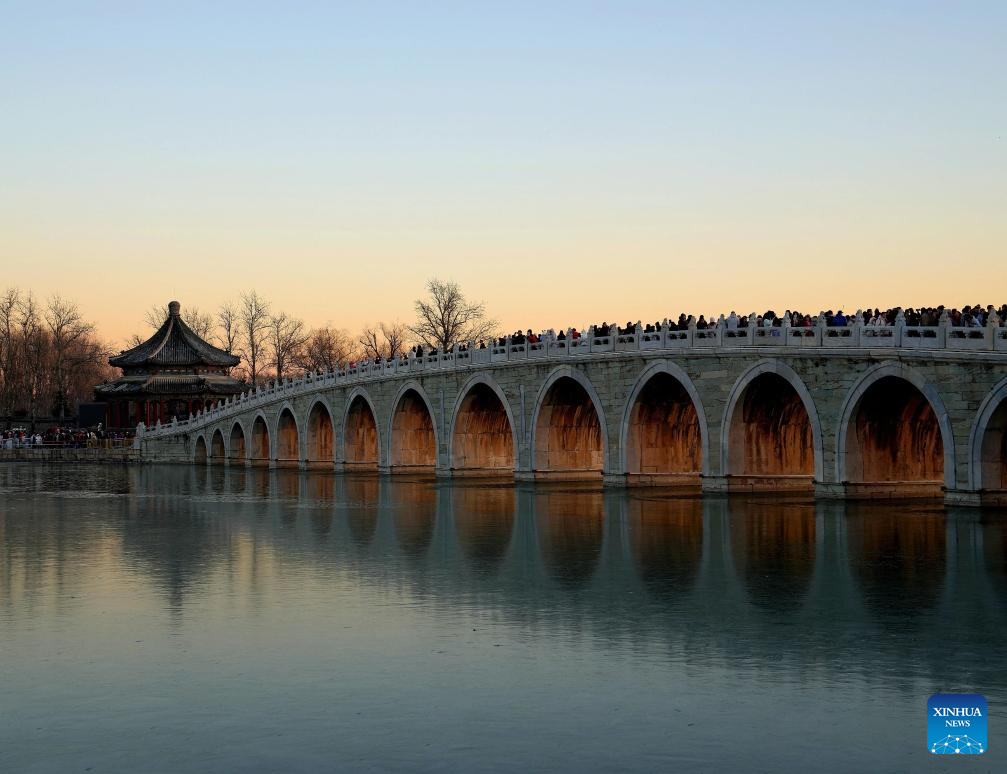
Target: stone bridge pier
x=841 y=422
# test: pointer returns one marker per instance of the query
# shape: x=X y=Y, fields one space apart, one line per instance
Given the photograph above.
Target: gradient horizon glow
x=564 y=162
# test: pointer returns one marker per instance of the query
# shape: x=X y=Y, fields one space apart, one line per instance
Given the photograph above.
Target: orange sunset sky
x=565 y=165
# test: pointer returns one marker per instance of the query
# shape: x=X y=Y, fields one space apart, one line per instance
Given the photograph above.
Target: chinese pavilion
x=172 y=374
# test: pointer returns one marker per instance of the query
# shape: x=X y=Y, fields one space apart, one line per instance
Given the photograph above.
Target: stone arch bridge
x=843 y=412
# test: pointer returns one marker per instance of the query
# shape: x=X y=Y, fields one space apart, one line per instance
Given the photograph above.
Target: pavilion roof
x=174 y=344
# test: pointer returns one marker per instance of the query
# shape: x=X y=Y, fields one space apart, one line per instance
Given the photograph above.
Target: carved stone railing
x=721 y=335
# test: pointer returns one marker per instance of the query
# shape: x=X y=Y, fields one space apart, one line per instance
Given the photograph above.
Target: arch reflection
x=898 y=557
x=415 y=506
x=484 y=523
x=667 y=540
x=571 y=530
x=773 y=550
x=320 y=487
x=361 y=498
x=288 y=482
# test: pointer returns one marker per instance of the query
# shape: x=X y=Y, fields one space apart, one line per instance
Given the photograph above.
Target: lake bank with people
x=103 y=454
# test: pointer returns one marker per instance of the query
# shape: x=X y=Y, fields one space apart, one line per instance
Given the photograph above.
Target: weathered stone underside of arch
x=568 y=434
x=260 y=442
x=360 y=444
x=994 y=451
x=771 y=435
x=895 y=437
x=217 y=448
x=286 y=440
x=413 y=443
x=664 y=437
x=320 y=436
x=236 y=445
x=483 y=437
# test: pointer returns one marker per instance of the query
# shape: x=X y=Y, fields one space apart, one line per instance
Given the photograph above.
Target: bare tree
x=228 y=327
x=384 y=341
x=33 y=360
x=447 y=318
x=285 y=337
x=201 y=323
x=10 y=302
x=71 y=346
x=326 y=349
x=253 y=319
x=49 y=358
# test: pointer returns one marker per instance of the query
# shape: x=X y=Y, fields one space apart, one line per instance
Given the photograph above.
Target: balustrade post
x=942 y=329
x=750 y=331
x=719 y=328
x=992 y=324
x=507 y=346
x=858 y=327
x=900 y=327
x=690 y=337
x=821 y=323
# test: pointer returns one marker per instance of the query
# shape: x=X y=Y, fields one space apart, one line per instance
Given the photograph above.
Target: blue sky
x=746 y=155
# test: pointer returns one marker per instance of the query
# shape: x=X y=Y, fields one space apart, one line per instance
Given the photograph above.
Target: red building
x=172 y=374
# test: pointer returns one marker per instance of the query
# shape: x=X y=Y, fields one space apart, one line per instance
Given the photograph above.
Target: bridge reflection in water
x=742 y=587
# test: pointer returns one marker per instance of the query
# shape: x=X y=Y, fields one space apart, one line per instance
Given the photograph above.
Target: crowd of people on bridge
x=968 y=316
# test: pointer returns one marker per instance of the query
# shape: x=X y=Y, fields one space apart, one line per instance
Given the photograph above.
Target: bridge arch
x=200 y=455
x=770 y=399
x=922 y=430
x=569 y=432
x=236 y=451
x=261 y=449
x=412 y=431
x=361 y=439
x=988 y=442
x=218 y=453
x=664 y=426
x=483 y=435
x=320 y=432
x=288 y=447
